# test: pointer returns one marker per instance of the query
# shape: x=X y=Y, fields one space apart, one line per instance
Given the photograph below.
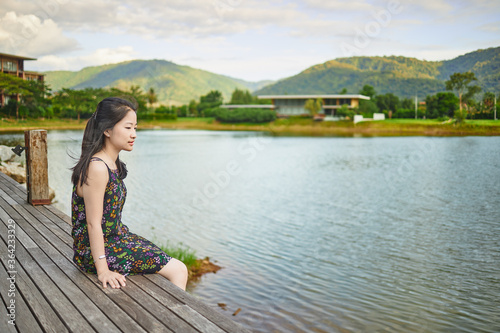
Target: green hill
x=174 y=84
x=402 y=76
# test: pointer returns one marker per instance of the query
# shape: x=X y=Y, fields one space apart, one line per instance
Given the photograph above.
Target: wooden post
x=37 y=174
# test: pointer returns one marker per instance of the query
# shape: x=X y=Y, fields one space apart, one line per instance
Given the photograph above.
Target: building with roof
x=247 y=106
x=14 y=65
x=294 y=104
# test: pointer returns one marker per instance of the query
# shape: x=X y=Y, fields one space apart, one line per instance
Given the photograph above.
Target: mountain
x=402 y=76
x=174 y=84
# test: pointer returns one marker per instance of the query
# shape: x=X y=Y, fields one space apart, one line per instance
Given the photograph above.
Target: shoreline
x=288 y=127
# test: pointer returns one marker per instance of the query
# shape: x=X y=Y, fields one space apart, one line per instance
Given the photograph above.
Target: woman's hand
x=113 y=278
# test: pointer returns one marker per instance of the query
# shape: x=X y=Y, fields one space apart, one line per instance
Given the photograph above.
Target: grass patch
x=183 y=253
x=291 y=126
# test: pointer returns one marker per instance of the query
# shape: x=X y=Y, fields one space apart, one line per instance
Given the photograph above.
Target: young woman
x=102 y=244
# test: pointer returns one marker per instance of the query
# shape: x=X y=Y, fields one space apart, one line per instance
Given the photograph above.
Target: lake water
x=396 y=234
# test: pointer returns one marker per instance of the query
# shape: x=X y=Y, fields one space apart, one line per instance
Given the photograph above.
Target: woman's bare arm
x=93 y=195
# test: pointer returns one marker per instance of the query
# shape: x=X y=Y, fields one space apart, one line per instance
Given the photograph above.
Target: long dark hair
x=109 y=111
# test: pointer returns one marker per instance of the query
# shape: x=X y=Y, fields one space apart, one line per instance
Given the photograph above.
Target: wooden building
x=14 y=65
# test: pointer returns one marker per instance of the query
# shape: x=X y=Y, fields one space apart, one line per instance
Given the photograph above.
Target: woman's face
x=123 y=134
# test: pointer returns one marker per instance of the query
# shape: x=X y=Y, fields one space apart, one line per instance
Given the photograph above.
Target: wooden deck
x=52 y=295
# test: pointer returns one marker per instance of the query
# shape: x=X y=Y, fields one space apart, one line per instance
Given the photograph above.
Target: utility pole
x=415 y=106
x=495 y=108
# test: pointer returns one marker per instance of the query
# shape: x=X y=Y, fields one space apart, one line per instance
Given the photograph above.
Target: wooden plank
x=62 y=254
x=217 y=318
x=13 y=186
x=134 y=310
x=7 y=219
x=43 y=212
x=157 y=309
x=182 y=310
x=37 y=218
x=58 y=213
x=27 y=293
x=197 y=320
x=6 y=297
x=65 y=310
x=4 y=325
x=36 y=267
x=7 y=197
x=47 y=210
x=37 y=172
x=50 y=260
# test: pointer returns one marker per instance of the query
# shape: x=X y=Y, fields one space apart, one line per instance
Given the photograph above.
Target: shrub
x=156 y=116
x=255 y=116
x=344 y=111
x=407 y=113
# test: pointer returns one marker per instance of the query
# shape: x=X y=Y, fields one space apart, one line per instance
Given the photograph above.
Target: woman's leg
x=176 y=272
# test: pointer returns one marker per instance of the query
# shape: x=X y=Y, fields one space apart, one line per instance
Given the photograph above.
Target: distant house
x=294 y=104
x=247 y=106
x=14 y=65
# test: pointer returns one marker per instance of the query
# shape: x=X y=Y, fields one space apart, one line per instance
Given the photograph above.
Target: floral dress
x=126 y=252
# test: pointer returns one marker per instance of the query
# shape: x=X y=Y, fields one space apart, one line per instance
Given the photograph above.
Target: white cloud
x=342 y=6
x=434 y=7
x=28 y=35
x=233 y=36
x=491 y=27
x=75 y=63
x=194 y=19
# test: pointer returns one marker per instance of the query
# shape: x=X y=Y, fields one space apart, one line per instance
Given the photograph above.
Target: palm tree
x=152 y=98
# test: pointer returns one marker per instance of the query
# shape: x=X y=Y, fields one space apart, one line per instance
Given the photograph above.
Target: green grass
x=484 y=122
x=25 y=124
x=181 y=252
x=406 y=121
x=207 y=120
x=290 y=126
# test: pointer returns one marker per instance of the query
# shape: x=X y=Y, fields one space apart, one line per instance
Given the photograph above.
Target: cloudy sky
x=248 y=39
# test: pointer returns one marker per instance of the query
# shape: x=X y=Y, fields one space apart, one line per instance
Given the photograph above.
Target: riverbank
x=196 y=266
x=305 y=127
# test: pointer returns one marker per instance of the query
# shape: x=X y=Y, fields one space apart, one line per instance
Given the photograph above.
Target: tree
x=13 y=85
x=152 y=97
x=193 y=111
x=387 y=102
x=488 y=105
x=368 y=108
x=313 y=106
x=344 y=111
x=37 y=103
x=460 y=83
x=343 y=91
x=139 y=97
x=368 y=91
x=443 y=104
x=241 y=97
x=407 y=103
x=80 y=101
x=209 y=101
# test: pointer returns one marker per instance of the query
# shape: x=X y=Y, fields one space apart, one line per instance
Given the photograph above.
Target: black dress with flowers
x=126 y=252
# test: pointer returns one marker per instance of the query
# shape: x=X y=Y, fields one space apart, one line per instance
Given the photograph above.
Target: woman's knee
x=174 y=268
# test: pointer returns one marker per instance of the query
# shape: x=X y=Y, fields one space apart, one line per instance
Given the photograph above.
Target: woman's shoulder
x=98 y=168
